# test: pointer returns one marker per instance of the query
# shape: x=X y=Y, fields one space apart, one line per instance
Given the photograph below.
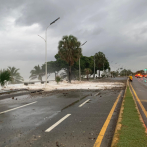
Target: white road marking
x=57 y=123
x=17 y=107
x=96 y=94
x=84 y=103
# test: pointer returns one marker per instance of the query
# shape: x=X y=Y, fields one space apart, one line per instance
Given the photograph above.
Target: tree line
x=67 y=59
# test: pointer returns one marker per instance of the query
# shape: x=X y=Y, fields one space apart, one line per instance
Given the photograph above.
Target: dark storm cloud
x=117 y=28
x=44 y=12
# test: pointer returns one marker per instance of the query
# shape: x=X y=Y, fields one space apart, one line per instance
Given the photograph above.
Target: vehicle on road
x=138 y=75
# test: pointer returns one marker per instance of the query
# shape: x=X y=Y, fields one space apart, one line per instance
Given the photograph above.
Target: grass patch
x=132 y=132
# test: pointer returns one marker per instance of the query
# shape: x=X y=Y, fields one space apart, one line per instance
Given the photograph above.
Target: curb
x=18 y=94
x=12 y=91
x=74 y=102
x=115 y=138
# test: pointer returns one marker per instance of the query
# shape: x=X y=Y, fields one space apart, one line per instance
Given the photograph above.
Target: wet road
x=139 y=90
x=48 y=122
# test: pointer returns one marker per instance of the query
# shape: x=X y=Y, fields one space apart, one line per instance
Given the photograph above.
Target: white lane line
x=57 y=123
x=96 y=94
x=17 y=107
x=84 y=103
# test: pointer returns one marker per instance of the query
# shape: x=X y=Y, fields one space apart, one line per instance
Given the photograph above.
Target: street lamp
x=94 y=66
x=79 y=65
x=46 y=49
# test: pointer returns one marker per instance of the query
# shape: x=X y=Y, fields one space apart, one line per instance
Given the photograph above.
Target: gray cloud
x=117 y=28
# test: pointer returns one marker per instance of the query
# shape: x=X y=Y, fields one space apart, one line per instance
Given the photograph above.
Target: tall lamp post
x=94 y=66
x=80 y=65
x=46 y=49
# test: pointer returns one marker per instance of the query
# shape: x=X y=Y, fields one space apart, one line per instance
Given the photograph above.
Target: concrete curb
x=11 y=92
x=17 y=94
x=118 y=126
x=74 y=102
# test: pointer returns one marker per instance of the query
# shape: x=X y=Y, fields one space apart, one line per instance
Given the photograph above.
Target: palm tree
x=15 y=75
x=69 y=50
x=87 y=72
x=37 y=73
x=101 y=61
x=5 y=76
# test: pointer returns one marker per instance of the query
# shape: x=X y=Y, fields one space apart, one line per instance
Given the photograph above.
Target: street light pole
x=94 y=66
x=79 y=71
x=80 y=65
x=46 y=49
x=46 y=57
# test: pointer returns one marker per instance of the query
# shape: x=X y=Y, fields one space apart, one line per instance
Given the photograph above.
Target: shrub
x=103 y=75
x=58 y=79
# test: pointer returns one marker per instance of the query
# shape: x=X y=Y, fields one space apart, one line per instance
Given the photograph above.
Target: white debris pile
x=64 y=85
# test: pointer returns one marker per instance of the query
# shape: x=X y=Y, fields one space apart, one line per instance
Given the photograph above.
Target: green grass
x=132 y=133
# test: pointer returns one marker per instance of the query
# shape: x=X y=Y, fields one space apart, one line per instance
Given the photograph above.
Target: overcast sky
x=116 y=27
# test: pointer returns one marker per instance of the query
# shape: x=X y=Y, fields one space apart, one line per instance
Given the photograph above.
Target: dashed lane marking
x=84 y=103
x=57 y=123
x=96 y=94
x=17 y=107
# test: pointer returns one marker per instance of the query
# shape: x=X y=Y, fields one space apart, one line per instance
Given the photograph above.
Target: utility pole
x=79 y=71
x=80 y=65
x=46 y=49
x=94 y=66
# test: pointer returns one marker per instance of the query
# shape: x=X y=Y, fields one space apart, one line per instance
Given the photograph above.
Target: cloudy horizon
x=117 y=28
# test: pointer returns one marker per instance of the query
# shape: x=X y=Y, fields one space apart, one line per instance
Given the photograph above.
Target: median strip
x=17 y=107
x=132 y=132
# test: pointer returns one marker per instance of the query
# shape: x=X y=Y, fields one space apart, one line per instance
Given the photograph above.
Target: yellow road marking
x=142 y=107
x=103 y=130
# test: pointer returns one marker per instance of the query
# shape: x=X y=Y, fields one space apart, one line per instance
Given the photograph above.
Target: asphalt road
x=140 y=94
x=34 y=121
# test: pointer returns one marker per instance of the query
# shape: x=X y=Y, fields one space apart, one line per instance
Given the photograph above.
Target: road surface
x=73 y=118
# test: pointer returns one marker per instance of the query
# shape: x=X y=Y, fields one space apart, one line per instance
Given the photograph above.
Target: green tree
x=15 y=75
x=5 y=76
x=87 y=72
x=60 y=63
x=125 y=72
x=69 y=50
x=140 y=72
x=114 y=73
x=101 y=62
x=37 y=73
